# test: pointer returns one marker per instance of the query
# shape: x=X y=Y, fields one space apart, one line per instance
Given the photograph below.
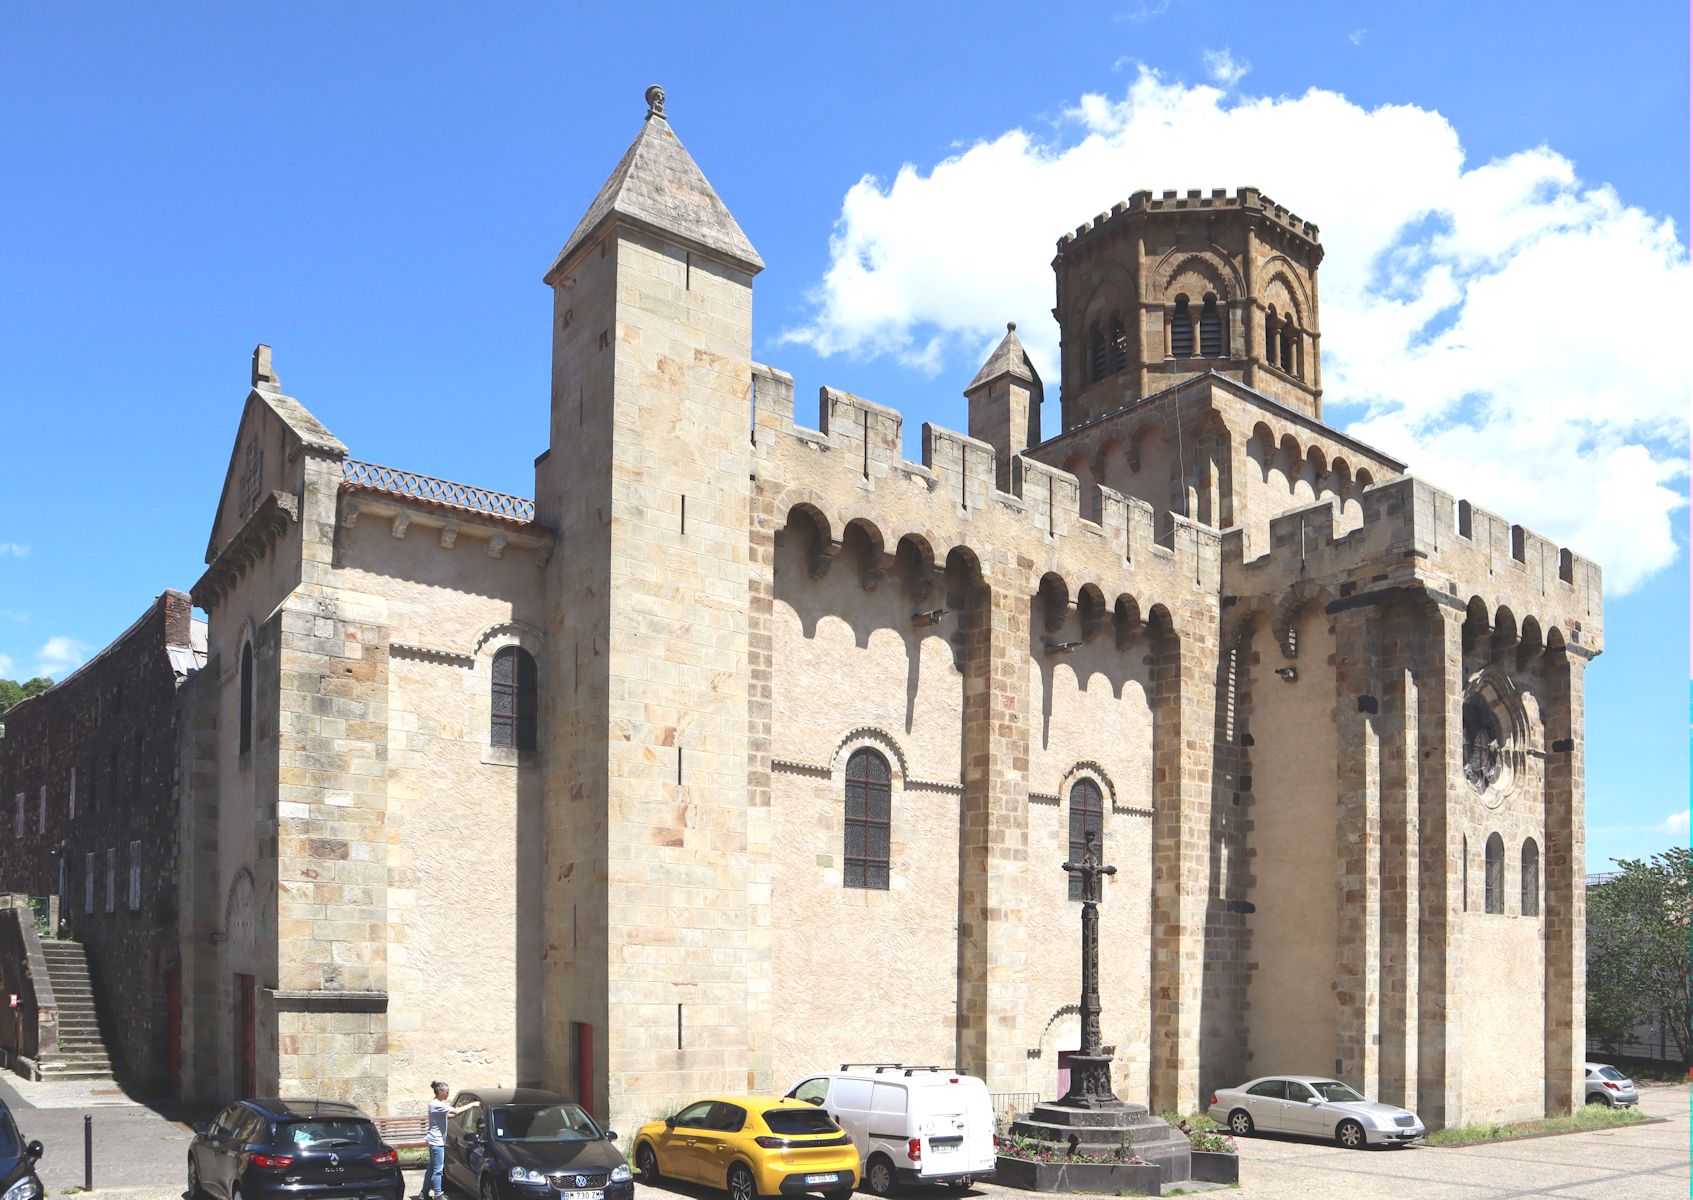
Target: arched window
x=1181 y=330
x=1096 y=355
x=1119 y=346
x=1210 y=329
x=1531 y=878
x=1087 y=812
x=512 y=722
x=246 y=697
x=1287 y=345
x=868 y=804
x=1495 y=878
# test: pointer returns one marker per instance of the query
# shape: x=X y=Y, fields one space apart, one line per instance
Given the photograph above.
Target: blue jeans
x=432 y=1177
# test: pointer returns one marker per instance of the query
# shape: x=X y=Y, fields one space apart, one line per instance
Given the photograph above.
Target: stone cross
x=1090 y=1068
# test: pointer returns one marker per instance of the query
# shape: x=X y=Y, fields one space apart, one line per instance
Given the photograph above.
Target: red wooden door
x=173 y=1029
x=246 y=1036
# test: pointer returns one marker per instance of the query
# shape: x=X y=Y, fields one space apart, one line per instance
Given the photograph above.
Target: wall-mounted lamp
x=1061 y=647
x=931 y=617
x=1289 y=674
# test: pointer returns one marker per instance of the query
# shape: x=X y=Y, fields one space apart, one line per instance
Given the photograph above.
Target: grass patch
x=412 y=1156
x=1589 y=1117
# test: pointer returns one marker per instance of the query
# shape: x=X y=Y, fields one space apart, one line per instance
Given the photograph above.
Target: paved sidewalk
x=135 y=1147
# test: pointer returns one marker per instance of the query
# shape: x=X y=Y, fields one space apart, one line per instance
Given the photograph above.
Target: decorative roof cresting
x=437 y=491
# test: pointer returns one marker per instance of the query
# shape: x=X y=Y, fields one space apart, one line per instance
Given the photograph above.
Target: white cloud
x=1676 y=824
x=1144 y=11
x=1472 y=314
x=1356 y=37
x=13 y=549
x=60 y=655
x=1224 y=68
x=7 y=667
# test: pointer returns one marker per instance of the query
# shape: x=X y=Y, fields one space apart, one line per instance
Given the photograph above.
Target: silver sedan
x=1610 y=1087
x=1313 y=1105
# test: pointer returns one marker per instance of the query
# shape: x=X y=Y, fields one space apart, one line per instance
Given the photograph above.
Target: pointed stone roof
x=1008 y=359
x=658 y=184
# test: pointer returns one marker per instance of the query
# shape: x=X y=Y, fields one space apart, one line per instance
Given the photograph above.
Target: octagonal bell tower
x=1160 y=290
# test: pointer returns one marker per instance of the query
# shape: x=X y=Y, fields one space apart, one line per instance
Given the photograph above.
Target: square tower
x=646 y=677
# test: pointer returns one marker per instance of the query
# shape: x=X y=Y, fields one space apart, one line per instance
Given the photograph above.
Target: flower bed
x=1036 y=1151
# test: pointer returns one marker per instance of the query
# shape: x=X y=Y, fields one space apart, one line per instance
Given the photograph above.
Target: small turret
x=1005 y=399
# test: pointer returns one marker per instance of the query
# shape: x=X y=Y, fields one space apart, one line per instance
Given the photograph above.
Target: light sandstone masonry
x=1251 y=632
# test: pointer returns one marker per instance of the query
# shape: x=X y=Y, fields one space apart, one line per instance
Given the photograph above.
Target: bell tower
x=1159 y=290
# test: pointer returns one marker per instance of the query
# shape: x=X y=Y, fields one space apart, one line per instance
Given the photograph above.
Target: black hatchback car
x=18 y=1180
x=292 y=1150
x=527 y=1144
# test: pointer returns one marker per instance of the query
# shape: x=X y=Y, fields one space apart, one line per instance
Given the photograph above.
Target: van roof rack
x=909 y=1070
x=880 y=1066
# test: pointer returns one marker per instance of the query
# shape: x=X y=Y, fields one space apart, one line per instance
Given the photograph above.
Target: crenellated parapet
x=852 y=469
x=1413 y=535
x=1244 y=199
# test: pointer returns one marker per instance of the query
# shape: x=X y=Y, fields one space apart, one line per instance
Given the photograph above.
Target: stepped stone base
x=1100 y=1128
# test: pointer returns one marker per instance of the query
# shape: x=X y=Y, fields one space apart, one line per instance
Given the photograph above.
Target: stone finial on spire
x=264 y=375
x=655 y=102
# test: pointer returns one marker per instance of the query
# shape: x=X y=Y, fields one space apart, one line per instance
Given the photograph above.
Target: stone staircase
x=82 y=1051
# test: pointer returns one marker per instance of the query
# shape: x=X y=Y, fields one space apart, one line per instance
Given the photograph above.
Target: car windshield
x=544 y=1123
x=1611 y=1073
x=799 y=1120
x=1336 y=1093
x=329 y=1135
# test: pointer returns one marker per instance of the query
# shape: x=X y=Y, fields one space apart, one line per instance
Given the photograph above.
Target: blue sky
x=376 y=191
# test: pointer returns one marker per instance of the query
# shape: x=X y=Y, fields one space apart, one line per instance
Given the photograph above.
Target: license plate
x=941 y=1149
x=830 y=1177
x=599 y=1195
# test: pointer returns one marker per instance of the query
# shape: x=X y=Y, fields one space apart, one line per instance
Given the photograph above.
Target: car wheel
x=879 y=1175
x=742 y=1186
x=195 y=1192
x=1351 y=1135
x=1240 y=1123
x=646 y=1164
x=488 y=1190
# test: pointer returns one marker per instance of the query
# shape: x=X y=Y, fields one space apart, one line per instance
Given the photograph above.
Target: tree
x=11 y=691
x=1638 y=925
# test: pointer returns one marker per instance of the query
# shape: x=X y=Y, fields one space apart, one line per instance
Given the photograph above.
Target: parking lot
x=139 y=1154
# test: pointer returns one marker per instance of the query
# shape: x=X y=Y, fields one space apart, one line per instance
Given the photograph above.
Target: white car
x=1313 y=1105
x=910 y=1124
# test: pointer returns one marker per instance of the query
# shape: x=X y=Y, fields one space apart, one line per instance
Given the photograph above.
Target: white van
x=910 y=1124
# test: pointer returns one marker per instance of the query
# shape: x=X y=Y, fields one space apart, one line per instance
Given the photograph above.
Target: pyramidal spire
x=1008 y=358
x=657 y=184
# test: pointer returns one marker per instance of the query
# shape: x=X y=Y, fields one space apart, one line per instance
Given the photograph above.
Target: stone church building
x=748 y=747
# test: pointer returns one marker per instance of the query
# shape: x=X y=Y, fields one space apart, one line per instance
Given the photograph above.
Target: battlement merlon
x=1414 y=534
x=1247 y=199
x=864 y=441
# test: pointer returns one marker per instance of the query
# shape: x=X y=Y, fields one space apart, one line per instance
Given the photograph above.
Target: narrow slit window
x=1531 y=878
x=1494 y=880
x=246 y=734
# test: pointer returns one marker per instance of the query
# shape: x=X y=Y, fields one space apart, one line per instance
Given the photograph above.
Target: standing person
x=435 y=1137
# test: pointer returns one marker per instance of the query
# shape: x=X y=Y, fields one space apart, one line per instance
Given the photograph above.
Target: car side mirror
x=611 y=1135
x=34 y=1150
x=670 y=1122
x=1312 y=1100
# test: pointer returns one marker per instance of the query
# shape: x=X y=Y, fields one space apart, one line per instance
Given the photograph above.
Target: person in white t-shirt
x=435 y=1137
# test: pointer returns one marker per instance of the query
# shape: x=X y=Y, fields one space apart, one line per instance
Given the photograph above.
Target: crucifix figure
x=1090 y=1069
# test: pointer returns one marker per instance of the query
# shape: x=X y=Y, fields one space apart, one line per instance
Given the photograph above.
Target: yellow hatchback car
x=751 y=1146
